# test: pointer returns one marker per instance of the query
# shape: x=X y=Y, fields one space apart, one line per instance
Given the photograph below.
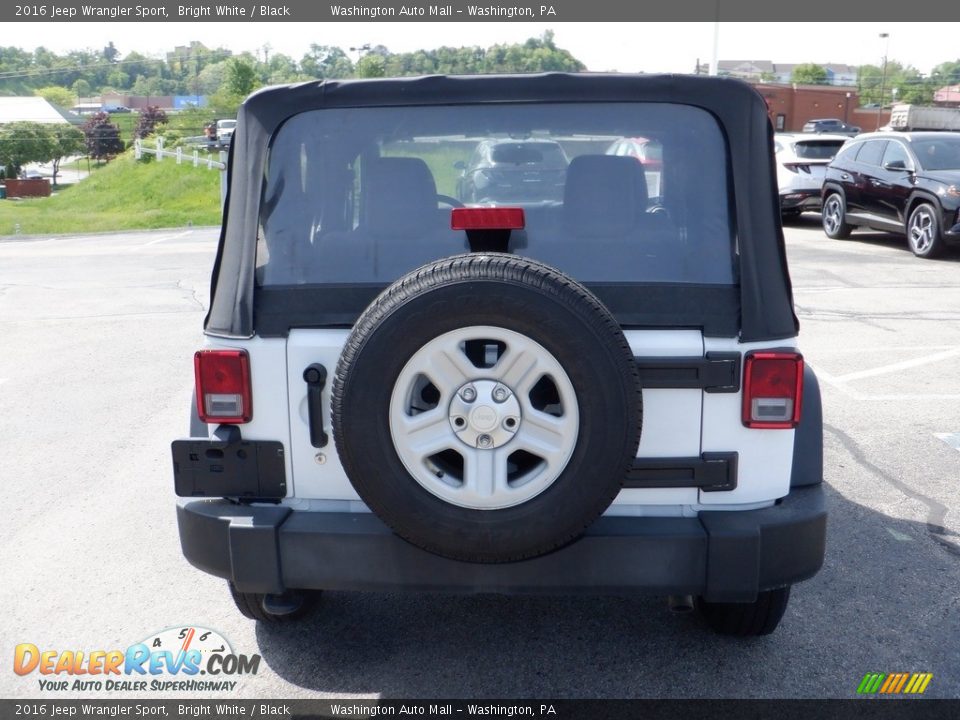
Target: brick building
x=790 y=106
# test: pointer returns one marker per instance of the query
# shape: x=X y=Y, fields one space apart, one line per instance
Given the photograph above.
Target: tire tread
x=747 y=619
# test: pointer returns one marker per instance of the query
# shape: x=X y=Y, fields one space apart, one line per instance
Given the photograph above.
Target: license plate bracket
x=247 y=469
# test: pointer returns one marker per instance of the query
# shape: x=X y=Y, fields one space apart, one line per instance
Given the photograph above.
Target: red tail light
x=772 y=389
x=223 y=386
x=494 y=218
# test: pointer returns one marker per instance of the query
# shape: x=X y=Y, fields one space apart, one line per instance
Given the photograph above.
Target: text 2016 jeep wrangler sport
x=461 y=339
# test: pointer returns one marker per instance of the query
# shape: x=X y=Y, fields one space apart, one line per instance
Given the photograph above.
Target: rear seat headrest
x=400 y=196
x=604 y=195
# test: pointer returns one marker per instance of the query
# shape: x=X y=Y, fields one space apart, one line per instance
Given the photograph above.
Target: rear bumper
x=800 y=200
x=723 y=556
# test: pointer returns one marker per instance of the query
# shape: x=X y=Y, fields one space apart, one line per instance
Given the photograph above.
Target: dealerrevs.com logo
x=184 y=658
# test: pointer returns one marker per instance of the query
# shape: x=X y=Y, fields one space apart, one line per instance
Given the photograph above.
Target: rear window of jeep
x=364 y=195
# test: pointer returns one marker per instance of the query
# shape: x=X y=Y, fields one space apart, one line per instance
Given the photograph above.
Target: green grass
x=440 y=158
x=122 y=195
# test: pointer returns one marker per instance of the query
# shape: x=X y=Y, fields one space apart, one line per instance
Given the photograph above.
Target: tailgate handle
x=315 y=376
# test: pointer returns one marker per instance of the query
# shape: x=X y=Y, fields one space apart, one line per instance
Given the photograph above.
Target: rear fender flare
x=808 y=437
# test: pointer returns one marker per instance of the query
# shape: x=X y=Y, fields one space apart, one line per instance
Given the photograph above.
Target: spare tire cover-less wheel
x=487 y=408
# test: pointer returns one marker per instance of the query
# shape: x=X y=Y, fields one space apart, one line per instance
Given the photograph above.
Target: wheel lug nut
x=468 y=394
x=500 y=394
x=484 y=441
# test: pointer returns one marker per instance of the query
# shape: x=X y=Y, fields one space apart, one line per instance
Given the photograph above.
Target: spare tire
x=487 y=408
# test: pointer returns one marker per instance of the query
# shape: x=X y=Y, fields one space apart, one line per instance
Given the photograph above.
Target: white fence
x=193 y=159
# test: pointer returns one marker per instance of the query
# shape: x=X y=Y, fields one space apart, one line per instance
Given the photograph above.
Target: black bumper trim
x=722 y=555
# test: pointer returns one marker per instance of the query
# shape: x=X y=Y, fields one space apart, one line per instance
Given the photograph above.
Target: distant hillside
x=123 y=195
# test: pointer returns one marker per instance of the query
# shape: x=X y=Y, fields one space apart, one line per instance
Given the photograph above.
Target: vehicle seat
x=606 y=228
x=402 y=218
x=401 y=227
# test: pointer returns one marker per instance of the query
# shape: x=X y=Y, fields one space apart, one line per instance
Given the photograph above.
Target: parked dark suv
x=830 y=125
x=898 y=182
x=524 y=172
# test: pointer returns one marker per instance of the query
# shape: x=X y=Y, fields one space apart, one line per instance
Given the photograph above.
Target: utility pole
x=883 y=76
x=714 y=62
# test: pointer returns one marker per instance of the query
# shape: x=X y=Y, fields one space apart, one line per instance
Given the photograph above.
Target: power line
x=18 y=74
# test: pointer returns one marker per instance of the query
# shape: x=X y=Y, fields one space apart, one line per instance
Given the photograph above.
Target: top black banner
x=467 y=11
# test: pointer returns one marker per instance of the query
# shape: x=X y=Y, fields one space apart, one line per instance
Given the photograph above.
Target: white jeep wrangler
x=588 y=385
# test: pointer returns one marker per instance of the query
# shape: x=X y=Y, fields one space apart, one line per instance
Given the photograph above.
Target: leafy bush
x=102 y=137
x=150 y=117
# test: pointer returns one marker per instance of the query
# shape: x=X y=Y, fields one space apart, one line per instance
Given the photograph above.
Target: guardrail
x=193 y=159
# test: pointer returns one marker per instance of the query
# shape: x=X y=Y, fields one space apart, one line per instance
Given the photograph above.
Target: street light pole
x=883 y=76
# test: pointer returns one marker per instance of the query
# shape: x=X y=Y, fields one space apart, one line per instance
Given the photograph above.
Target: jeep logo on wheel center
x=532 y=362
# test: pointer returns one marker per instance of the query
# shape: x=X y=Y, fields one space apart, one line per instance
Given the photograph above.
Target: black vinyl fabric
x=766 y=304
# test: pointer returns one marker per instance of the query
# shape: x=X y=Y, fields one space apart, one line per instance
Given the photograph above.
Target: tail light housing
x=772 y=390
x=223 y=386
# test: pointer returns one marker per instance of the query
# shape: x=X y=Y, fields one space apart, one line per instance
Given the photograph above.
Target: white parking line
x=885 y=348
x=839 y=383
x=894 y=367
x=951 y=439
x=164 y=238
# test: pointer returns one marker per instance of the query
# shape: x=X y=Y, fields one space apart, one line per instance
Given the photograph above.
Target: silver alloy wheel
x=922 y=230
x=510 y=447
x=832 y=214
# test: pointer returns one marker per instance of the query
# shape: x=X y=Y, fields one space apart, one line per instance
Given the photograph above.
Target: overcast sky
x=626 y=47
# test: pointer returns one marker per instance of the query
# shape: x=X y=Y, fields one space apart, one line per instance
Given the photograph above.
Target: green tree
x=946 y=73
x=56 y=95
x=81 y=88
x=241 y=77
x=110 y=53
x=371 y=66
x=907 y=85
x=326 y=61
x=66 y=141
x=22 y=143
x=910 y=85
x=239 y=80
x=809 y=74
x=223 y=103
x=281 y=69
x=211 y=78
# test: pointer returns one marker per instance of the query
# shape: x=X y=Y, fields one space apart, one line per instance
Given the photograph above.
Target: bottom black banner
x=867 y=709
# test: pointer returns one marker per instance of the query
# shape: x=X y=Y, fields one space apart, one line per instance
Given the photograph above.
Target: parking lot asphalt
x=95 y=381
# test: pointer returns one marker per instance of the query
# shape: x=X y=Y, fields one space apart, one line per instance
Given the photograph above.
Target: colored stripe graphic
x=894 y=683
x=919 y=683
x=870 y=683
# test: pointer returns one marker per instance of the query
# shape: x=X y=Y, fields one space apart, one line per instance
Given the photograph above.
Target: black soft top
x=766 y=303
